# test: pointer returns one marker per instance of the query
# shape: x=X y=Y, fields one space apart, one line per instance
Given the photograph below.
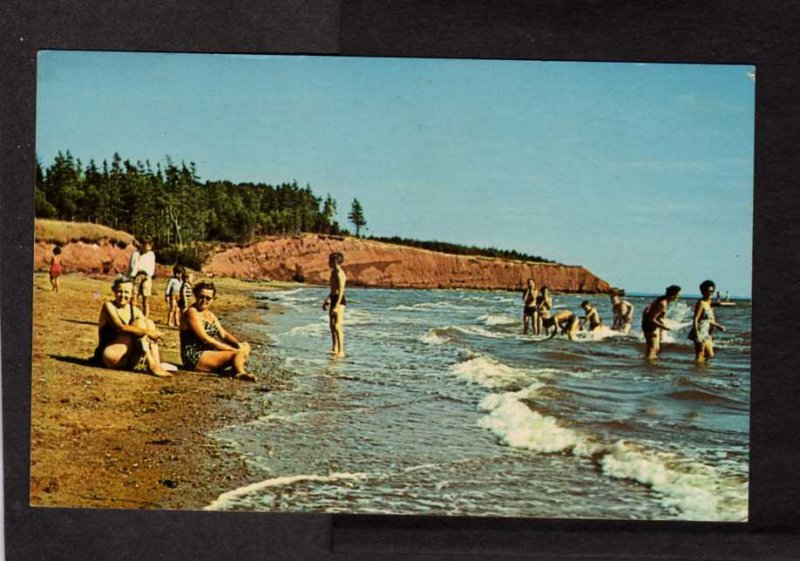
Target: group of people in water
x=129 y=339
x=538 y=318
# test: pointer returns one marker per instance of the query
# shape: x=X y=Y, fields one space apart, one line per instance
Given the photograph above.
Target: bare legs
x=337 y=331
x=126 y=347
x=216 y=361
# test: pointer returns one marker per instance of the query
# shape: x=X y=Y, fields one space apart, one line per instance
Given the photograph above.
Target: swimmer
x=529 y=311
x=653 y=321
x=592 y=316
x=564 y=321
x=337 y=302
x=704 y=324
x=623 y=312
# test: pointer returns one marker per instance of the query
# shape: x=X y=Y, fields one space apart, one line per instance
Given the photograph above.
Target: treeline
x=457 y=249
x=173 y=206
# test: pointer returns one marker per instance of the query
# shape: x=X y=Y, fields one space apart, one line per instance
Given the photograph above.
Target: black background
x=765 y=34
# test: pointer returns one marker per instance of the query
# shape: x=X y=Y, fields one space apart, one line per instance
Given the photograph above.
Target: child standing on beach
x=171 y=294
x=185 y=291
x=55 y=268
x=337 y=302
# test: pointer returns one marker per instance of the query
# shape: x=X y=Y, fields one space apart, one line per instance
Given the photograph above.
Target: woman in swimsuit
x=126 y=338
x=55 y=268
x=205 y=345
x=704 y=324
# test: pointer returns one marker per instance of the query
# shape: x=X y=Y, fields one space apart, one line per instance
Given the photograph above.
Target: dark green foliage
x=356 y=216
x=191 y=256
x=456 y=249
x=173 y=206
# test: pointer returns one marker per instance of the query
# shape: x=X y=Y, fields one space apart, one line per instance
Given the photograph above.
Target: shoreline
x=102 y=438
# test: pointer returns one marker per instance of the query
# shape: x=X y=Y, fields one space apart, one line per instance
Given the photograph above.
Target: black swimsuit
x=106 y=336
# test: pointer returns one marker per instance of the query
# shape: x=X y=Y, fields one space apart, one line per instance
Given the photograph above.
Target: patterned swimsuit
x=192 y=347
x=703 y=333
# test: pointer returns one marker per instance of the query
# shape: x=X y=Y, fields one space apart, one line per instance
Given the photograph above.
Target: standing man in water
x=337 y=302
x=529 y=310
x=653 y=321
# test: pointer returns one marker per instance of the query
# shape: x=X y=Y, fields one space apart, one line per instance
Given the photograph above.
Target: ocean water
x=443 y=407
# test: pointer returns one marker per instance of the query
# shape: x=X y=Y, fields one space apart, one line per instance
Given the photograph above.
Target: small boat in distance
x=719 y=300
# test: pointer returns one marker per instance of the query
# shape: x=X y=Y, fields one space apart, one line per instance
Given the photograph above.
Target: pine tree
x=356 y=216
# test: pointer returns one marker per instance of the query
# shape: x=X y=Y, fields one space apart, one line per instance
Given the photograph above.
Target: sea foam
x=228 y=499
x=490 y=373
x=691 y=490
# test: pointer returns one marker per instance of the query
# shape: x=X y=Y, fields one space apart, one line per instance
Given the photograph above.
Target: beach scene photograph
x=392 y=286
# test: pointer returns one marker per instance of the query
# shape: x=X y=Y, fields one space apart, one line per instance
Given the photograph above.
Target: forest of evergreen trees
x=176 y=209
x=173 y=206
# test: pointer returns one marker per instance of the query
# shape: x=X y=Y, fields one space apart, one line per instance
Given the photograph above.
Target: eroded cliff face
x=367 y=263
x=375 y=264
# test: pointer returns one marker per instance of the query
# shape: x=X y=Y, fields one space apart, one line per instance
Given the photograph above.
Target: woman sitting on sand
x=126 y=338
x=205 y=345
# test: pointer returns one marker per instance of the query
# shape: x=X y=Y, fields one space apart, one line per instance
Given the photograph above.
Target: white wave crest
x=694 y=490
x=515 y=424
x=489 y=373
x=432 y=337
x=228 y=499
x=497 y=319
x=424 y=306
x=689 y=489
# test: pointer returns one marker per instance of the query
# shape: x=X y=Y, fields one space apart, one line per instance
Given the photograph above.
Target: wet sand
x=110 y=439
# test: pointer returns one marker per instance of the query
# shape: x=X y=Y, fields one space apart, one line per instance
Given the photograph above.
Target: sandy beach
x=111 y=439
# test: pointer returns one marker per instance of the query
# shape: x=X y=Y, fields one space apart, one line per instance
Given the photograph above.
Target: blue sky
x=641 y=172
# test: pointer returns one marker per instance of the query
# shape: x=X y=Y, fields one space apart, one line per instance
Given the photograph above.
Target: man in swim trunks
x=623 y=312
x=529 y=311
x=337 y=301
x=653 y=321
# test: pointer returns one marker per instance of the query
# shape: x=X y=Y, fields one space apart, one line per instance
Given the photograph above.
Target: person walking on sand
x=704 y=324
x=127 y=339
x=529 y=311
x=205 y=345
x=172 y=293
x=55 y=268
x=141 y=269
x=653 y=320
x=337 y=302
x=623 y=312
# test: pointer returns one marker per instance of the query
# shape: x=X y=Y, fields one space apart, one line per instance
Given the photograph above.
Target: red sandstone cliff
x=376 y=264
x=367 y=263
